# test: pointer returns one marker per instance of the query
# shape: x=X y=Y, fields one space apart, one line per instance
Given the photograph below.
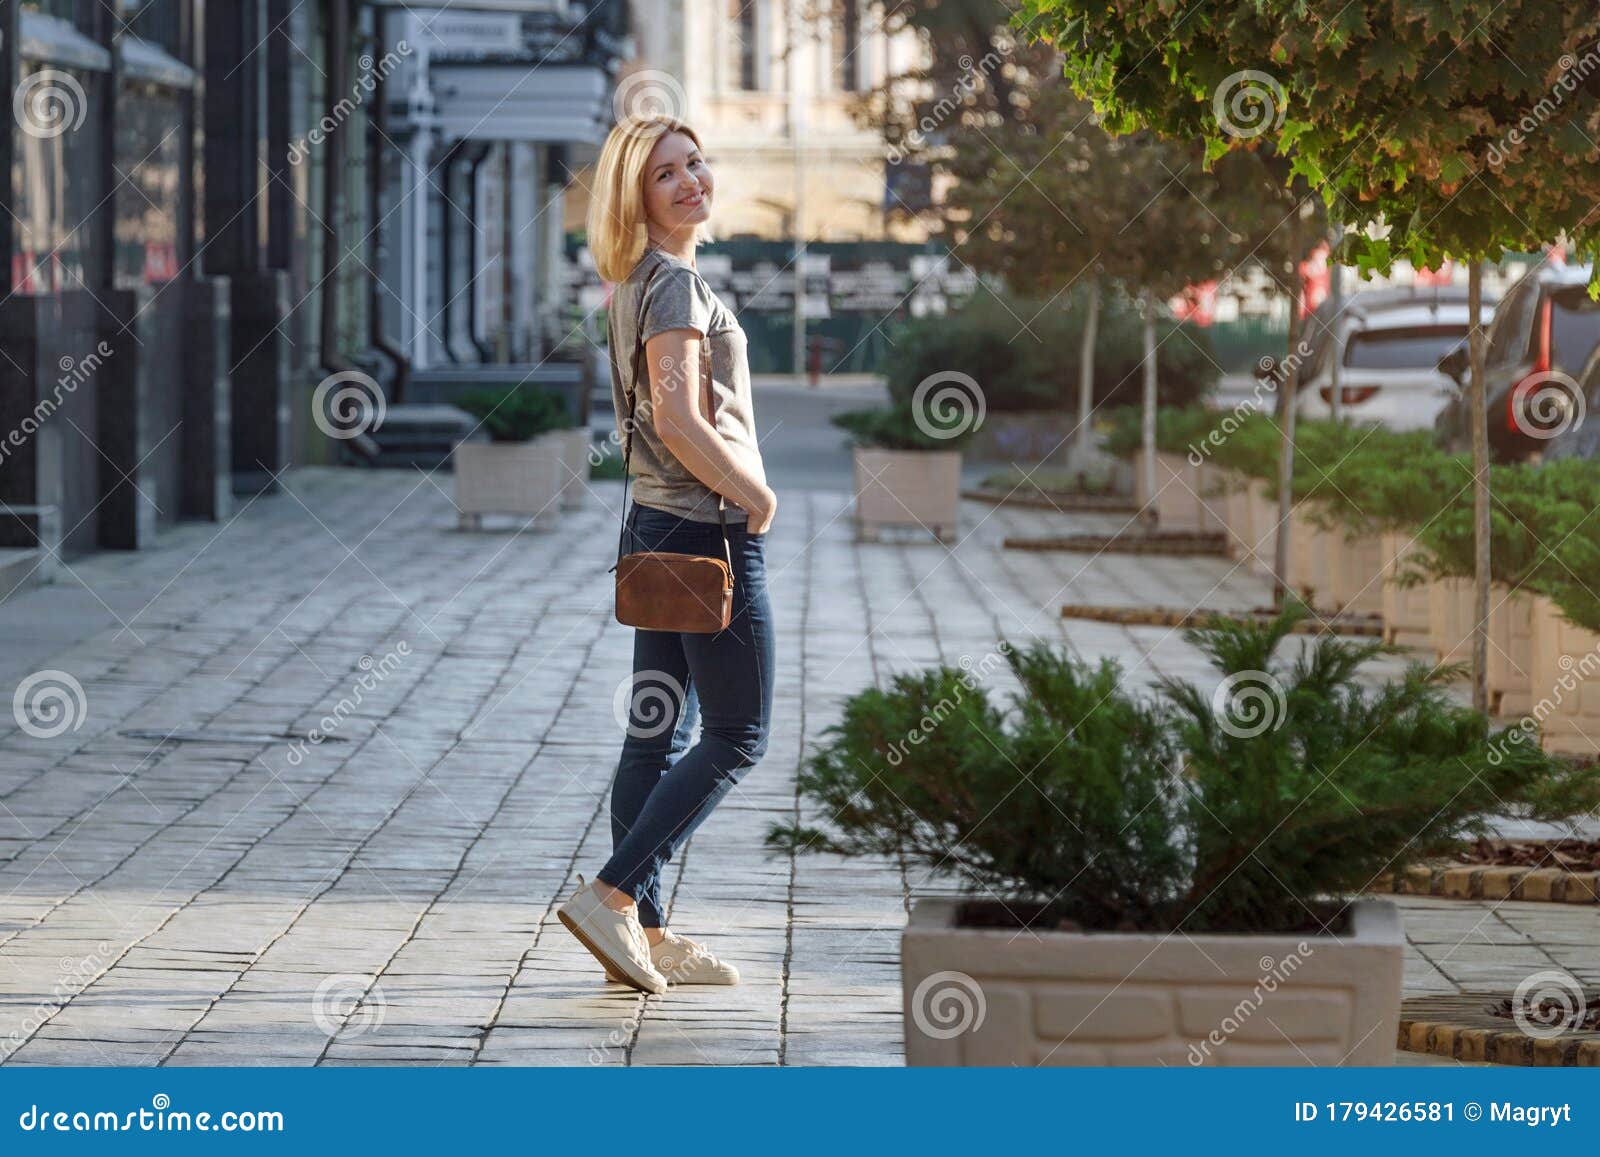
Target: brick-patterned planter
x=1450 y=620
x=1565 y=660
x=521 y=478
x=1310 y=562
x=1264 y=526
x=988 y=996
x=1233 y=505
x=1510 y=651
x=907 y=488
x=1404 y=609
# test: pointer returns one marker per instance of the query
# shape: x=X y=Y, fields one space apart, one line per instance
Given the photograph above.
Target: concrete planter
x=1450 y=620
x=1565 y=662
x=1234 y=508
x=1179 y=498
x=1356 y=573
x=522 y=478
x=987 y=996
x=575 y=443
x=1263 y=527
x=1510 y=673
x=907 y=488
x=1310 y=559
x=1404 y=609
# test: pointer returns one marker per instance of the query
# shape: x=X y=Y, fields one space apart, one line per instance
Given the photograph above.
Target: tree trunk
x=1148 y=427
x=1091 y=326
x=1480 y=490
x=1288 y=387
x=1336 y=364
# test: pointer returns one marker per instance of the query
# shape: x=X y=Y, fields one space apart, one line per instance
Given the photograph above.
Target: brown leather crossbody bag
x=664 y=590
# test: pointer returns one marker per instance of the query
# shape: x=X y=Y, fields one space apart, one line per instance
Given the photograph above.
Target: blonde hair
x=617 y=220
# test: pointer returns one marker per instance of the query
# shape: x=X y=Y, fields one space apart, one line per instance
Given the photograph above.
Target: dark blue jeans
x=664 y=788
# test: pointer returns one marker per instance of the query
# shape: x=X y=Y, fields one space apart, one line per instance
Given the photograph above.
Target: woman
x=691 y=438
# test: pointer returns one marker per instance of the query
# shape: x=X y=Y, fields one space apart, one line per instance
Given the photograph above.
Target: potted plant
x=1168 y=877
x=908 y=465
x=523 y=468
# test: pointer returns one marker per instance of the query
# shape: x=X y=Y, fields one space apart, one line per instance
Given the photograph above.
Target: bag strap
x=627 y=430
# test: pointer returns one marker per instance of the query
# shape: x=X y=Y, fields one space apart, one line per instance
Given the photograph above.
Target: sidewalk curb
x=1460 y=1027
x=1493 y=882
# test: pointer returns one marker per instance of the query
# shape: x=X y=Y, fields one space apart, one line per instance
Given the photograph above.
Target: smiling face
x=677 y=185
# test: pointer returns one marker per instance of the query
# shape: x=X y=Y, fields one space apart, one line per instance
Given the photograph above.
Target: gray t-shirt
x=679 y=298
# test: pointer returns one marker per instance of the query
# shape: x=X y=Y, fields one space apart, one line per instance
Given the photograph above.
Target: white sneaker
x=616 y=939
x=685 y=961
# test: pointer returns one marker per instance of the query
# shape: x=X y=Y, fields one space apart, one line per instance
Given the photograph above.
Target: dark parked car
x=1543 y=332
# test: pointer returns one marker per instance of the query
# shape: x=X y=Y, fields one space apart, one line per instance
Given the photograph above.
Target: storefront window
x=149 y=196
x=57 y=185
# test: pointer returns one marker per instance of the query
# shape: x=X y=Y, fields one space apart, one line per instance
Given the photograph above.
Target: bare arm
x=681 y=417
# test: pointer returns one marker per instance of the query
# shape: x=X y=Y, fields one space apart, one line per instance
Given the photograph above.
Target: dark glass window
x=158 y=21
x=1417 y=348
x=746 y=43
x=149 y=169
x=847 y=44
x=57 y=185
x=1574 y=327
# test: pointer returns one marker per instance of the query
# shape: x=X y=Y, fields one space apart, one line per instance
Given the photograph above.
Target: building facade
x=217 y=207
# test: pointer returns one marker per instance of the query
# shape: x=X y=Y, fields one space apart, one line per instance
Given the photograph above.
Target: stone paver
x=236 y=894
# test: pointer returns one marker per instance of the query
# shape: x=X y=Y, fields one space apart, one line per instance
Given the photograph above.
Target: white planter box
x=908 y=488
x=1356 y=569
x=1144 y=998
x=1450 y=620
x=1178 y=499
x=575 y=443
x=1510 y=651
x=1233 y=504
x=1263 y=528
x=1310 y=559
x=1565 y=694
x=1405 y=609
x=522 y=478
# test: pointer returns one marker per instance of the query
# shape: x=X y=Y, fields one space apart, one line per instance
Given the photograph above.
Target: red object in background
x=1197 y=304
x=1540 y=374
x=1556 y=255
x=1315 y=279
x=1439 y=276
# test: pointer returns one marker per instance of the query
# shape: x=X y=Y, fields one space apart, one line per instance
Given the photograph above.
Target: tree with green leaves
x=1435 y=131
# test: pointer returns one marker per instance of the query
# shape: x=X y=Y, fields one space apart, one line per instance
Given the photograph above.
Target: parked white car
x=1389 y=348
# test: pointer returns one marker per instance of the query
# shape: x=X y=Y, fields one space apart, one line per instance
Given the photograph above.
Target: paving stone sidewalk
x=186 y=878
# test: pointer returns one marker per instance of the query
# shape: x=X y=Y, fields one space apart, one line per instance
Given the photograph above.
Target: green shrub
x=1127 y=810
x=1024 y=353
x=518 y=414
x=895 y=427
